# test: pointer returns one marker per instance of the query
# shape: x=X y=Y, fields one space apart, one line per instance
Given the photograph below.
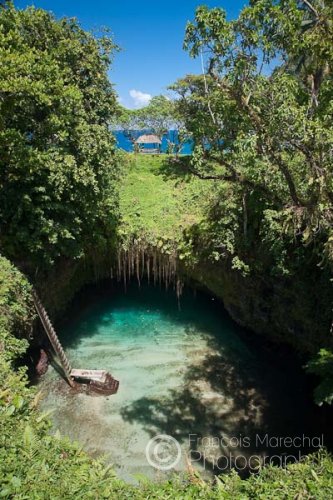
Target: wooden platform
x=96 y=381
x=149 y=151
x=97 y=375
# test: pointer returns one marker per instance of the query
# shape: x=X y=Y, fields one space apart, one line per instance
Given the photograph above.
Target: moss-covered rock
x=290 y=310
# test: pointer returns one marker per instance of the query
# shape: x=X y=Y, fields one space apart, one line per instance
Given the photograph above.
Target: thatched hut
x=148 y=143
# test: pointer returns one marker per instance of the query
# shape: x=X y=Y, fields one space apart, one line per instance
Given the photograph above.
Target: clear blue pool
x=188 y=371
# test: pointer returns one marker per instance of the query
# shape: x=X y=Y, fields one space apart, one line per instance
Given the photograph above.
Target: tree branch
x=236 y=177
x=311 y=7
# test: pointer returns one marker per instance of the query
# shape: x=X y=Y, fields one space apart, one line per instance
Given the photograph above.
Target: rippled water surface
x=188 y=372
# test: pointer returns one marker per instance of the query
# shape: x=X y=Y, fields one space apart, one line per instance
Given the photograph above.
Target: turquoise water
x=186 y=371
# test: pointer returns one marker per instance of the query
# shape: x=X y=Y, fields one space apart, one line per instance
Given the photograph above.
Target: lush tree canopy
x=157 y=116
x=269 y=131
x=57 y=159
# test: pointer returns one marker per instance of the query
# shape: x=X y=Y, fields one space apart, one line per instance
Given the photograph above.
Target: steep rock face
x=297 y=310
x=58 y=287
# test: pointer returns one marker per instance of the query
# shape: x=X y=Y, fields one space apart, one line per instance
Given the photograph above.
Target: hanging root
x=141 y=261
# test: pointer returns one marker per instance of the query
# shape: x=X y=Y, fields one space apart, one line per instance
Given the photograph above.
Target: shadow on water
x=236 y=393
x=248 y=401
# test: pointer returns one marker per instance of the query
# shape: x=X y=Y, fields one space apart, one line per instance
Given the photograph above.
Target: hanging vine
x=140 y=260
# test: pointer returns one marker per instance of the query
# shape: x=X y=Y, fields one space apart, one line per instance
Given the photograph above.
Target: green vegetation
x=322 y=366
x=57 y=158
x=250 y=213
x=157 y=205
x=277 y=135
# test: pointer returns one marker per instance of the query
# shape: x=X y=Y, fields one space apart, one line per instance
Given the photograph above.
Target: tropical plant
x=57 y=156
x=265 y=138
x=322 y=365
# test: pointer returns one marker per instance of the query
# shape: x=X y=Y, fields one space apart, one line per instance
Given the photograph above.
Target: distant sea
x=124 y=143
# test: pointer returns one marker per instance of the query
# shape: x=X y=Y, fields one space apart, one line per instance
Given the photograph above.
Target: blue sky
x=150 y=33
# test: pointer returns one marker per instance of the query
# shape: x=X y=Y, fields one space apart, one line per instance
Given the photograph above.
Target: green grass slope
x=158 y=200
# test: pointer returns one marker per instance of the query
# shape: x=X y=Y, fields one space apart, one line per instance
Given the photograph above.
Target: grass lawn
x=159 y=200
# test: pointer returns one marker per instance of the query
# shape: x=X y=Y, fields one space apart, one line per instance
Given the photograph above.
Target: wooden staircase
x=97 y=381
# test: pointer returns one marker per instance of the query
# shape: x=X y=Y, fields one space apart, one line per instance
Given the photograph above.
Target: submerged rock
x=43 y=363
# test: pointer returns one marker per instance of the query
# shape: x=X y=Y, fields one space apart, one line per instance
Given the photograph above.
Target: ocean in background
x=124 y=143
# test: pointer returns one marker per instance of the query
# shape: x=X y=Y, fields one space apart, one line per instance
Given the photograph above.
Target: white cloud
x=140 y=99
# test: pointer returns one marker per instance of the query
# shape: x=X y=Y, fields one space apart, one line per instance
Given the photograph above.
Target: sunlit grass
x=158 y=200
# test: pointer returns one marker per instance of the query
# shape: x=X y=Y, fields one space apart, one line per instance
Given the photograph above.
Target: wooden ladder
x=97 y=381
x=53 y=338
